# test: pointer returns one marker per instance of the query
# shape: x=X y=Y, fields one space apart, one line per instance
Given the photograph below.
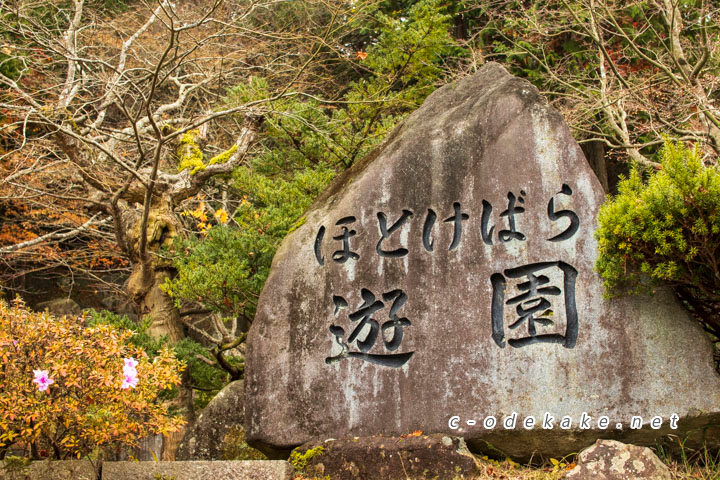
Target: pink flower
x=129 y=381
x=130 y=363
x=129 y=367
x=42 y=379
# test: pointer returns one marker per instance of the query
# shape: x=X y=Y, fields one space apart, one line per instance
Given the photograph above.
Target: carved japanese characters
x=448 y=279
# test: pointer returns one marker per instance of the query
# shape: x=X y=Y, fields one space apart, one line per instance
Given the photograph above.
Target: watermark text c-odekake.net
x=548 y=422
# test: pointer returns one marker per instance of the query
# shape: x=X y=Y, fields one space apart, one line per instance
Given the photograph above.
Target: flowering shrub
x=71 y=388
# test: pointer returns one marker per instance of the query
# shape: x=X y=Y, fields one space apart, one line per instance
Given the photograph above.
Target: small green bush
x=666 y=230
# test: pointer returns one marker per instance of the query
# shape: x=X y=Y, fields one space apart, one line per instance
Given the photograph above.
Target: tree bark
x=150 y=273
x=153 y=302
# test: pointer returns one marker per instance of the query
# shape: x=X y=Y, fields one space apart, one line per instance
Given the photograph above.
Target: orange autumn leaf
x=221 y=216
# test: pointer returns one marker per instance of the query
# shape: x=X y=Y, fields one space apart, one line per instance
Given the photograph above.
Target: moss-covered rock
x=218 y=432
x=437 y=457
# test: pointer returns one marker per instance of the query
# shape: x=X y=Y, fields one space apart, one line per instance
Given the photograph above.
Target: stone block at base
x=49 y=470
x=199 y=470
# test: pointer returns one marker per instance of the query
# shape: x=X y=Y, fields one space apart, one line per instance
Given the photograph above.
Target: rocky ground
x=512 y=471
x=440 y=457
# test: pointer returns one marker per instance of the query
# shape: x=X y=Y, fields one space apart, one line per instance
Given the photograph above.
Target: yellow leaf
x=221 y=216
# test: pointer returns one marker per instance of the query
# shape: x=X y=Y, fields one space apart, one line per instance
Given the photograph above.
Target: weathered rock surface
x=448 y=278
x=612 y=460
x=200 y=470
x=205 y=440
x=437 y=457
x=60 y=306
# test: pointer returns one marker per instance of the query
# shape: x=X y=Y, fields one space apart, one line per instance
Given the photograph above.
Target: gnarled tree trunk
x=152 y=301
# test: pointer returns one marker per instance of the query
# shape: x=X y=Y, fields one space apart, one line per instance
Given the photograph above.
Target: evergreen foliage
x=666 y=230
x=226 y=269
x=305 y=142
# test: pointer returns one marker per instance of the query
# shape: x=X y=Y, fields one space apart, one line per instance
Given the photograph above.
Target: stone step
x=189 y=470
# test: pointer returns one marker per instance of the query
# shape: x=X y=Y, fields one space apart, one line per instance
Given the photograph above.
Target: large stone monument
x=446 y=284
